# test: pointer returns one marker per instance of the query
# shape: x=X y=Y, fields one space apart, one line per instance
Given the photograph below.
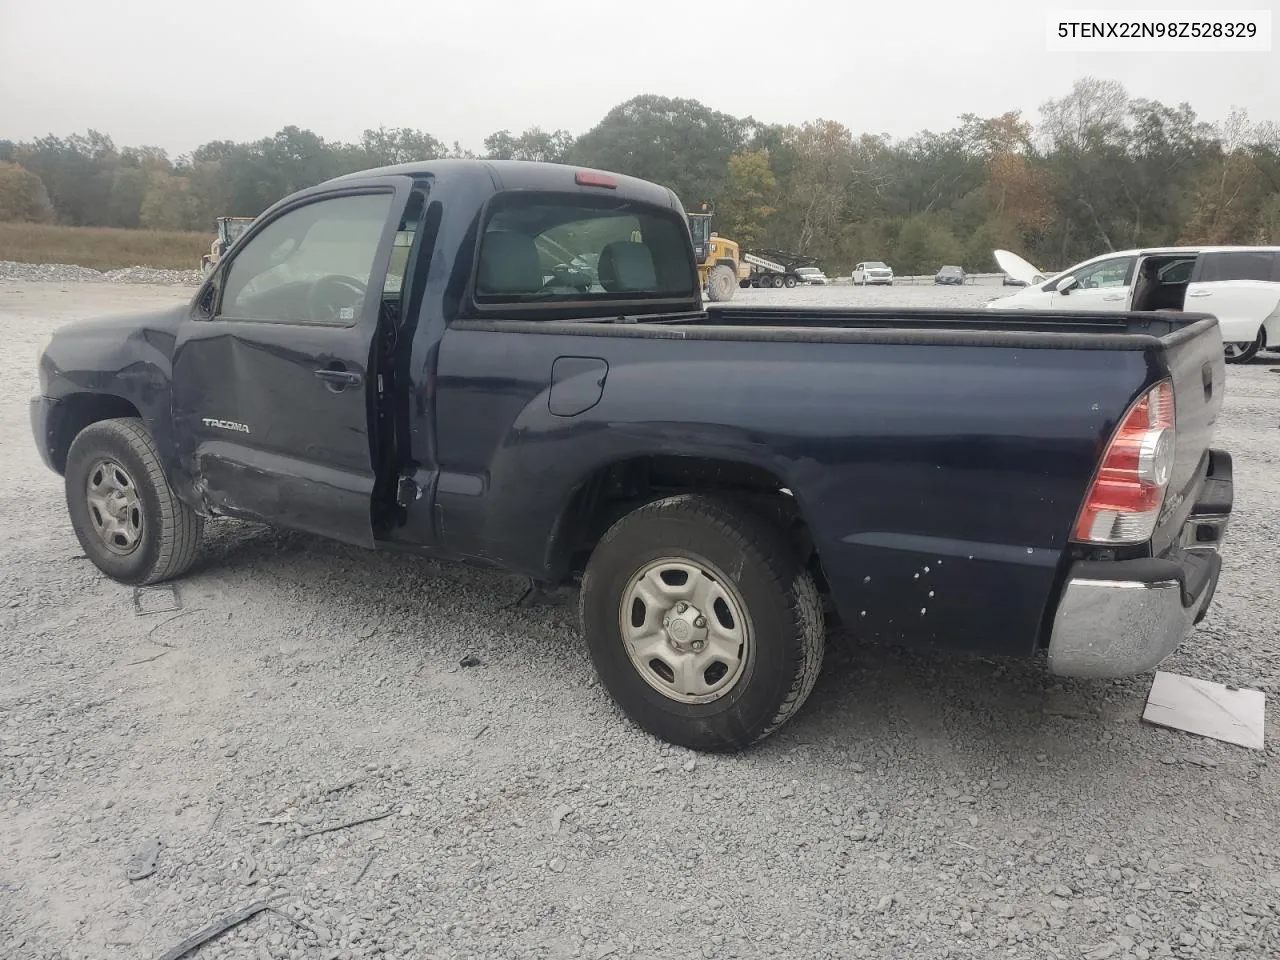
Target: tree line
x=1098 y=170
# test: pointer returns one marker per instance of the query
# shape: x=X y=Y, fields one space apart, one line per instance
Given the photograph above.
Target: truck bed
x=958 y=441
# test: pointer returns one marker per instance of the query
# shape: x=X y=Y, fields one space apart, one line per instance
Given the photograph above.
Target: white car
x=1238 y=285
x=873 y=271
x=810 y=275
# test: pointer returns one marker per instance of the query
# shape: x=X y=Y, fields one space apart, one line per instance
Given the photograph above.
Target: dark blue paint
x=938 y=458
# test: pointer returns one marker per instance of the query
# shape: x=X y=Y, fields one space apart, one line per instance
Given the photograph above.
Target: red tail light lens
x=1128 y=490
x=590 y=178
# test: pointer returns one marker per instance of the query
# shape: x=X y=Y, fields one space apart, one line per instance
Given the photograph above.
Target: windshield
x=808 y=271
x=876 y=265
x=538 y=250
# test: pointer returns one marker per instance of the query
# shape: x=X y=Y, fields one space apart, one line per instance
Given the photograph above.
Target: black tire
x=168 y=531
x=721 y=283
x=1244 y=354
x=783 y=611
x=790 y=281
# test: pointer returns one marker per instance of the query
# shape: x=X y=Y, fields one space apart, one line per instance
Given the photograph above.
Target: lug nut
x=681 y=607
x=698 y=645
x=700 y=622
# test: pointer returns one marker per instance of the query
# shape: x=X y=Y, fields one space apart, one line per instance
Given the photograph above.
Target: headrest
x=508 y=264
x=627 y=266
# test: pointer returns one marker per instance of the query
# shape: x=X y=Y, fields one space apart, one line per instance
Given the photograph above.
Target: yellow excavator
x=719 y=260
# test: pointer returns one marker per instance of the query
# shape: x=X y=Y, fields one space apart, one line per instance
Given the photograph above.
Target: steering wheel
x=347 y=294
x=566 y=276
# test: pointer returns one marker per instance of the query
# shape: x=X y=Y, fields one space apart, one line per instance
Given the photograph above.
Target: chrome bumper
x=1121 y=618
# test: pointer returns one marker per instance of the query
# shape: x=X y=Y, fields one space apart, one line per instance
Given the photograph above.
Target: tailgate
x=1195 y=363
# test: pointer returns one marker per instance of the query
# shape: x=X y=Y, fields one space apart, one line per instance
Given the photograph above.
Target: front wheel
x=702 y=623
x=790 y=281
x=721 y=283
x=129 y=522
x=1243 y=352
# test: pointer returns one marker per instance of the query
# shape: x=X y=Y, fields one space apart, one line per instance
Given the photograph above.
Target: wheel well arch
x=616 y=488
x=77 y=411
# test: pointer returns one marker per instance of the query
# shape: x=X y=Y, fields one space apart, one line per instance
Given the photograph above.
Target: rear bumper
x=1121 y=618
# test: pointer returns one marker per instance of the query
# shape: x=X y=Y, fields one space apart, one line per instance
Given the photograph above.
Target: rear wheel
x=1244 y=352
x=790 y=281
x=702 y=623
x=721 y=283
x=128 y=520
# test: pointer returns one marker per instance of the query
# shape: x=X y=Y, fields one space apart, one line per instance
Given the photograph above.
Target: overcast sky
x=178 y=73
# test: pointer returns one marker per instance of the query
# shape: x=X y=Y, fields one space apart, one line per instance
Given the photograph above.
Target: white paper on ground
x=1207 y=709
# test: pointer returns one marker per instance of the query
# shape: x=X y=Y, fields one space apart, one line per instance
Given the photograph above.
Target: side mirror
x=1067 y=284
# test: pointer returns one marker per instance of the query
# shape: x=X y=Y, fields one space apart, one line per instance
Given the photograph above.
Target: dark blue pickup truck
x=510 y=364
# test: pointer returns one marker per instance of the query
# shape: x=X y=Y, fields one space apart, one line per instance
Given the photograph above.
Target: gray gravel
x=69 y=273
x=918 y=806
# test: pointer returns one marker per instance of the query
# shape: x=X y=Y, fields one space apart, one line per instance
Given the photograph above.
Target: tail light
x=1128 y=490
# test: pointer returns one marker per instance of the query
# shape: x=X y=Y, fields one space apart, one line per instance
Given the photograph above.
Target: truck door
x=272 y=390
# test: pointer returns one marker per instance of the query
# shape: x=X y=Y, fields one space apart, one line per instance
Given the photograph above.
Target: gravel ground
x=68 y=273
x=918 y=806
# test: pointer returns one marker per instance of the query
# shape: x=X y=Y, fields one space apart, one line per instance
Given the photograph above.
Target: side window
x=1240 y=265
x=1179 y=271
x=1108 y=273
x=312 y=264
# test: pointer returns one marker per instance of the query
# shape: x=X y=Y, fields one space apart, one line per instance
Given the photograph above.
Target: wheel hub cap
x=685 y=629
x=115 y=511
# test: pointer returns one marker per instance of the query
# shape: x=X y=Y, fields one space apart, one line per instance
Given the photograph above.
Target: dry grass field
x=102 y=248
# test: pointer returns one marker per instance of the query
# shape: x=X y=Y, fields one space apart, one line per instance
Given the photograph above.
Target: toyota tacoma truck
x=510 y=364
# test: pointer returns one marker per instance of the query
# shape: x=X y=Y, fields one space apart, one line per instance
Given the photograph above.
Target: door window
x=1108 y=273
x=312 y=264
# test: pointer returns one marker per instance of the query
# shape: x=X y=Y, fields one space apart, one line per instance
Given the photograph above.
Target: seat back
x=509 y=263
x=627 y=266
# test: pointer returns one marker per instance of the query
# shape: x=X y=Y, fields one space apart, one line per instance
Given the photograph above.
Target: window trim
x=587 y=308
x=399 y=194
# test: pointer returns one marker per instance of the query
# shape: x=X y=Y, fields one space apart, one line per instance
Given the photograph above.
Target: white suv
x=873 y=271
x=1238 y=285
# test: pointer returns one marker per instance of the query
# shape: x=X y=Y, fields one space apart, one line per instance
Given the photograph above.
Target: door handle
x=1200 y=293
x=339 y=379
x=1114 y=296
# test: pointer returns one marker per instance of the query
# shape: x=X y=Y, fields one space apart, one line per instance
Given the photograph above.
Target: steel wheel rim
x=685 y=629
x=115 y=507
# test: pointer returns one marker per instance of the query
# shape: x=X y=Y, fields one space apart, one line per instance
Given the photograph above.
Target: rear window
x=1240 y=265
x=542 y=249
